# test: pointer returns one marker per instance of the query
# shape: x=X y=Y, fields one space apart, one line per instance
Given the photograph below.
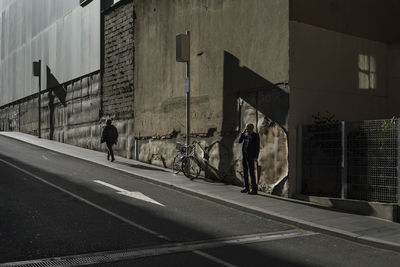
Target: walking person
x=250 y=151
x=110 y=137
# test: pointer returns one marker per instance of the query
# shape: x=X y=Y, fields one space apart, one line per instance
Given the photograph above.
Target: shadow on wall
x=267 y=106
x=55 y=90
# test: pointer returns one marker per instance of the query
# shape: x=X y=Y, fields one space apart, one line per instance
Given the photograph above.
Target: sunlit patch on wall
x=366 y=72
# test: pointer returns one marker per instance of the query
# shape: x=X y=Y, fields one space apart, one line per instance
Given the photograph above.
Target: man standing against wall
x=250 y=151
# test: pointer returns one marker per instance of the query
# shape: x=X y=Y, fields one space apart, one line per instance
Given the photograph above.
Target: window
x=366 y=72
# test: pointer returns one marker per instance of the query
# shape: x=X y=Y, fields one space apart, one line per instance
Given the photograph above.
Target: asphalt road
x=53 y=205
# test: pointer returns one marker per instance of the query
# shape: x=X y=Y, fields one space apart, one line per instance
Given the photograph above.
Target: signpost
x=183 y=55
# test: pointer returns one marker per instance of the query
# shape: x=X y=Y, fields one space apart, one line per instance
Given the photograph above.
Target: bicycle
x=186 y=162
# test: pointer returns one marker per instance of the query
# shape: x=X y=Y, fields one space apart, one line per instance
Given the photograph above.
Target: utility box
x=182 y=48
x=36 y=68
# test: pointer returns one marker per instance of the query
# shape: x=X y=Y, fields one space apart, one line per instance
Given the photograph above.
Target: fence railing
x=355 y=160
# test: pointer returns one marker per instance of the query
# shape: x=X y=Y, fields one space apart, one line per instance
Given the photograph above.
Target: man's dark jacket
x=110 y=134
x=251 y=144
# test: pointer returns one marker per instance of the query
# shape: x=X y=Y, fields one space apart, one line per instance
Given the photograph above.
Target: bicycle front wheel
x=191 y=167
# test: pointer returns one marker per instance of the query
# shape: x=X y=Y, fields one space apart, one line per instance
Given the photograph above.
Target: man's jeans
x=248 y=165
x=110 y=151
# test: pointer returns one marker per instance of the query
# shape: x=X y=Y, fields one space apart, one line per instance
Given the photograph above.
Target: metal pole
x=188 y=100
x=39 y=100
x=257 y=111
x=398 y=162
x=136 y=149
x=343 y=191
x=19 y=117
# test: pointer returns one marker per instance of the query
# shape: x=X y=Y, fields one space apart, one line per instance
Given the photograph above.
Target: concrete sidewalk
x=363 y=229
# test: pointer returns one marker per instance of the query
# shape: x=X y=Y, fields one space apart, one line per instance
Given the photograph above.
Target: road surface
x=53 y=205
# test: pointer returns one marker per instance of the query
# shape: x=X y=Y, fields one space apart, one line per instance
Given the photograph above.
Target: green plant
x=389 y=125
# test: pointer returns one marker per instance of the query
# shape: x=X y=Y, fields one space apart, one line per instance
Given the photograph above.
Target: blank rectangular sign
x=182 y=48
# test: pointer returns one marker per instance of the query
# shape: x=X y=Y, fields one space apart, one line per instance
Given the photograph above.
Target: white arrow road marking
x=132 y=194
x=87 y=202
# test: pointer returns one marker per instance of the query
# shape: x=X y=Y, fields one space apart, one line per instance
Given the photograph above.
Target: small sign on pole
x=187 y=85
x=36 y=68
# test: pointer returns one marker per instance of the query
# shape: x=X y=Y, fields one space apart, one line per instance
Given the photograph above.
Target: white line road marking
x=214 y=259
x=43 y=156
x=131 y=194
x=130 y=254
x=88 y=202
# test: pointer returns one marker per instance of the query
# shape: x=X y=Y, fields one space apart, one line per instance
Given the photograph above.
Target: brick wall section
x=118 y=91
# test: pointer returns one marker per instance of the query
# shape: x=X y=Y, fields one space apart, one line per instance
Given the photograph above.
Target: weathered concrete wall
x=75 y=118
x=118 y=61
x=28 y=116
x=21 y=116
x=9 y=118
x=69 y=114
x=258 y=40
x=236 y=47
x=273 y=160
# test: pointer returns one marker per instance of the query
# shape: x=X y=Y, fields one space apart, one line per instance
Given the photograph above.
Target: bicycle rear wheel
x=191 y=167
x=177 y=164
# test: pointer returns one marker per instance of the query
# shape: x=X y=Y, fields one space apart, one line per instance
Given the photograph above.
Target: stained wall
x=237 y=48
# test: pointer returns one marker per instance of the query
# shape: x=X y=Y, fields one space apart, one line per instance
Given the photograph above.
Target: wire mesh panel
x=321 y=167
x=372 y=160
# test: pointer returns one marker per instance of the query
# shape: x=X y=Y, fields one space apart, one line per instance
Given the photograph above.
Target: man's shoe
x=112 y=160
x=244 y=190
x=253 y=192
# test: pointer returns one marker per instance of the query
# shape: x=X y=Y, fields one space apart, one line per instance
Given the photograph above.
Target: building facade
x=273 y=63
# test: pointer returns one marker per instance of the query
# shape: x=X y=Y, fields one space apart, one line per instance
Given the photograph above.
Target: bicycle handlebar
x=191 y=145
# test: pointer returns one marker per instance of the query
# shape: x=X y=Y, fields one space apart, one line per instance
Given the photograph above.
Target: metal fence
x=355 y=160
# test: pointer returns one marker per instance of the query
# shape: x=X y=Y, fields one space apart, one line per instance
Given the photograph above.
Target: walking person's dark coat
x=110 y=137
x=250 y=151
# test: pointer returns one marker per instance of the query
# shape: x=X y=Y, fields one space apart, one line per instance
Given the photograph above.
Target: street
x=54 y=205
